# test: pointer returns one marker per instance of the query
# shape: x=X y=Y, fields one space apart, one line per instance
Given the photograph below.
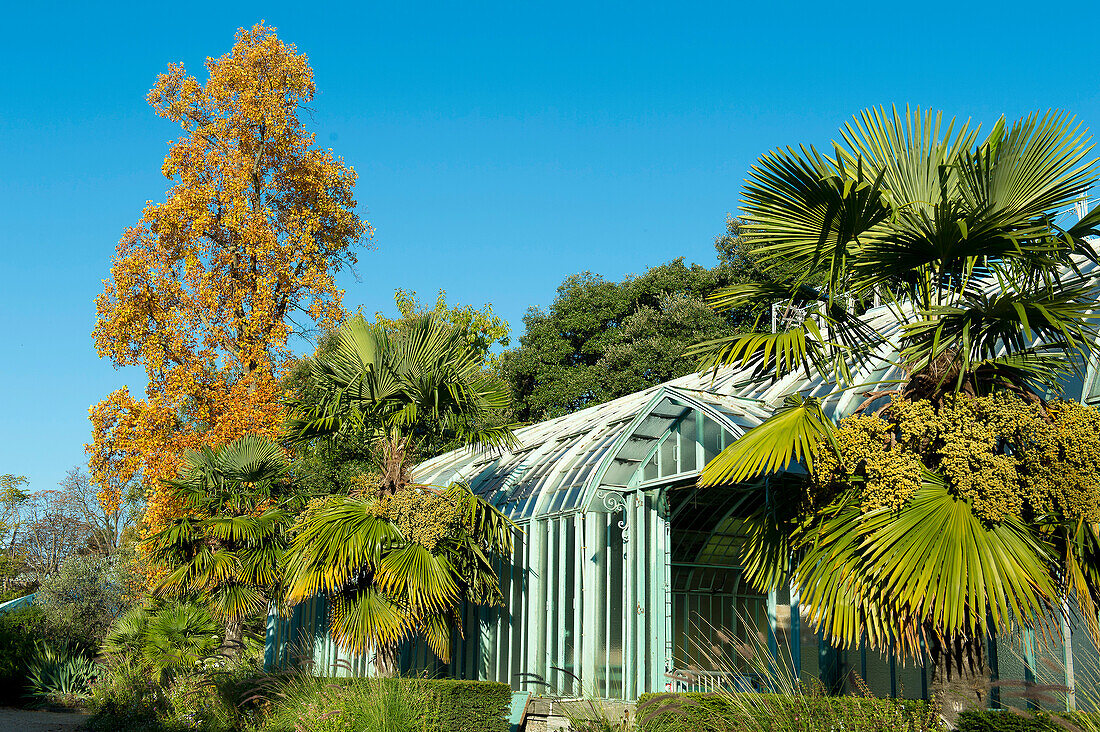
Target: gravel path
x=25 y=720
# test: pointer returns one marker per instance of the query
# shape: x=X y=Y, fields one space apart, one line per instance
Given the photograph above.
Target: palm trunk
x=387 y=664
x=233 y=643
x=960 y=675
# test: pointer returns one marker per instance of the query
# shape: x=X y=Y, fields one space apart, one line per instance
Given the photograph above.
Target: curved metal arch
x=595 y=481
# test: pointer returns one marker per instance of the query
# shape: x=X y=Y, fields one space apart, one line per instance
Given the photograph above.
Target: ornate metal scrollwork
x=614 y=501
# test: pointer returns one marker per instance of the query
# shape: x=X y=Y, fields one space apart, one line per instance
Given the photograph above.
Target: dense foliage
x=600 y=339
x=20 y=631
x=1010 y=720
x=389 y=705
x=81 y=601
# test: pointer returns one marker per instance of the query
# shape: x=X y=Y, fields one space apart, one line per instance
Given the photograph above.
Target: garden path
x=27 y=720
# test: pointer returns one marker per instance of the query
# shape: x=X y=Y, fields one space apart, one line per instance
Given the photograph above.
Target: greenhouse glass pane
x=878 y=674
x=650 y=470
x=687 y=444
x=615 y=610
x=1086 y=673
x=570 y=605
x=712 y=439
x=668 y=456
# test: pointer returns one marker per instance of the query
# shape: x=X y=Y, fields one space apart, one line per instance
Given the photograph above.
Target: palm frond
x=789 y=436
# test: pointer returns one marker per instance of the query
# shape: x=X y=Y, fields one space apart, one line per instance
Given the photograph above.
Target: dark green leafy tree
x=957 y=236
x=600 y=340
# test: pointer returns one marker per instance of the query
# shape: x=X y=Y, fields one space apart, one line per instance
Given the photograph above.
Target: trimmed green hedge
x=1010 y=721
x=461 y=706
x=470 y=706
x=697 y=712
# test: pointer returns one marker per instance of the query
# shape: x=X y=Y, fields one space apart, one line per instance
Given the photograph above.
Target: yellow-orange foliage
x=204 y=287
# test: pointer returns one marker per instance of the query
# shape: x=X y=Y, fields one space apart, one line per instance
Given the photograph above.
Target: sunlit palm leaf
x=788 y=437
x=339 y=538
x=370 y=619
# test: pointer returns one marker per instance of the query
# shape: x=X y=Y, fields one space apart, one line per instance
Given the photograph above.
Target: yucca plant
x=58 y=674
x=952 y=241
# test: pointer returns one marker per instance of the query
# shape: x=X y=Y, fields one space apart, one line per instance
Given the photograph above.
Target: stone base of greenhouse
x=626 y=569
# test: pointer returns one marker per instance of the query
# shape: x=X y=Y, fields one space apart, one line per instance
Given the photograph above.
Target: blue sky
x=500 y=147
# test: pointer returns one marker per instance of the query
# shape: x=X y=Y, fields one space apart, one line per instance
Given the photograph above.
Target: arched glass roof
x=557 y=465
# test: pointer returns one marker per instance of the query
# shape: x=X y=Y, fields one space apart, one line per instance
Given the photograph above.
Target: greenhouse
x=625 y=567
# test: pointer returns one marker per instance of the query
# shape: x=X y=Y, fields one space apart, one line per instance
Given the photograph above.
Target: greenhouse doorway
x=720 y=625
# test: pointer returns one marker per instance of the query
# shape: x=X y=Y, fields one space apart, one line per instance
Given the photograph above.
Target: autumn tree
x=209 y=285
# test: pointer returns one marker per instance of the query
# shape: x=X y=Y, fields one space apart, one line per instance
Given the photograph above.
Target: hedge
x=462 y=706
x=470 y=706
x=715 y=712
x=1012 y=721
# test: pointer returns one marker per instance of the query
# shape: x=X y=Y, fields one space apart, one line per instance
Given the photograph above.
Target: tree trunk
x=387 y=663
x=233 y=643
x=960 y=676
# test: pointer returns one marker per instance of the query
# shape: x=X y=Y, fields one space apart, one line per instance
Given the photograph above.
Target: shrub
x=129 y=698
x=20 y=630
x=126 y=697
x=198 y=702
x=81 y=600
x=59 y=674
x=388 y=705
x=469 y=706
x=698 y=712
x=1015 y=721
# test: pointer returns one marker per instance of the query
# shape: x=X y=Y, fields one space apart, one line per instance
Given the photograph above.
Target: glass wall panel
x=809 y=648
x=909 y=679
x=687 y=444
x=615 y=609
x=569 y=658
x=1086 y=671
x=712 y=439
x=877 y=673
x=668 y=456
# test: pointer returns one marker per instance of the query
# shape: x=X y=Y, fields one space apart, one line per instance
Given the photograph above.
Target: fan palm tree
x=163 y=640
x=952 y=242
x=422 y=384
x=391 y=574
x=367 y=551
x=226 y=546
